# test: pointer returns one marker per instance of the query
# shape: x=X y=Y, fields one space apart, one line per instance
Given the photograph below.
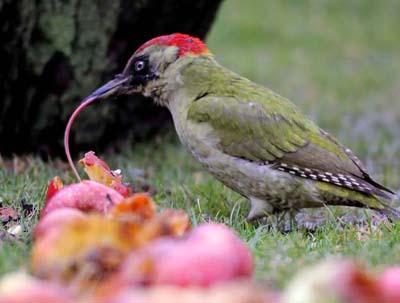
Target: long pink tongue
x=68 y=129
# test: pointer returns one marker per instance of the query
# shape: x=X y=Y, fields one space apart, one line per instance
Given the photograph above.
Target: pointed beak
x=114 y=87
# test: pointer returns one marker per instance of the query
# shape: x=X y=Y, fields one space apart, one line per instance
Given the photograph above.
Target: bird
x=250 y=138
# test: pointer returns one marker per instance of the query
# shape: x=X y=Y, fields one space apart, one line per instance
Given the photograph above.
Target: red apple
x=56 y=219
x=389 y=282
x=86 y=196
x=211 y=253
x=20 y=288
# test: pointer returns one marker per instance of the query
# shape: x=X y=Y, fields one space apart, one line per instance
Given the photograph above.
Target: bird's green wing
x=246 y=130
x=267 y=131
x=268 y=128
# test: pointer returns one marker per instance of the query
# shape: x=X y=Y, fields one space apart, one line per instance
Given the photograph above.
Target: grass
x=338 y=60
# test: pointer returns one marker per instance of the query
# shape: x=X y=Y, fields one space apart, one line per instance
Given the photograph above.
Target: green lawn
x=339 y=61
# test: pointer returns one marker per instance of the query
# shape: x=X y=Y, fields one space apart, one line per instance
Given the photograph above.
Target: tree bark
x=55 y=52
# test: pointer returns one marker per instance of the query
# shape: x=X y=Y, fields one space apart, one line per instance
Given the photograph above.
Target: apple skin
x=87 y=196
x=389 y=282
x=208 y=254
x=56 y=219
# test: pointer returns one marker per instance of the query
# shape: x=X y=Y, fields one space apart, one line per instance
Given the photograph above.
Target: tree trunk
x=55 y=52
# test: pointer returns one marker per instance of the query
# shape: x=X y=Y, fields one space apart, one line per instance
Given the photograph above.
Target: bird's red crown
x=187 y=45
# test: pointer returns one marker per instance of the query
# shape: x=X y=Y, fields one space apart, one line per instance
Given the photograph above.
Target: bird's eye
x=139 y=65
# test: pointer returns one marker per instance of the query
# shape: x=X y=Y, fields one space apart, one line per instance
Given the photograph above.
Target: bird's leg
x=259 y=208
x=292 y=219
x=280 y=219
x=286 y=220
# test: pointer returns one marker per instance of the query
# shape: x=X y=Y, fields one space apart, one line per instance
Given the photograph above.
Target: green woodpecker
x=250 y=138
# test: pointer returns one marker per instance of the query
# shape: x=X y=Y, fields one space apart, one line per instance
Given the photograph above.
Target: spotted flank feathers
x=342 y=180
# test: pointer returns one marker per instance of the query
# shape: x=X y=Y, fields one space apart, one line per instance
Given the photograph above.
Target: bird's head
x=145 y=71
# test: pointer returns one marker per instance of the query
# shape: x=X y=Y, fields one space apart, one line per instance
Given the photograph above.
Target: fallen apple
x=53 y=186
x=209 y=254
x=56 y=219
x=389 y=283
x=99 y=171
x=86 y=196
x=338 y=281
x=238 y=291
x=139 y=204
x=88 y=249
x=19 y=287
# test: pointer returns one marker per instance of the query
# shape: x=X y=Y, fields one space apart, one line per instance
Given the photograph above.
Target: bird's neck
x=183 y=81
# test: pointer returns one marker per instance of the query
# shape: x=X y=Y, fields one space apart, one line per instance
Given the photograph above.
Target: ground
x=338 y=61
